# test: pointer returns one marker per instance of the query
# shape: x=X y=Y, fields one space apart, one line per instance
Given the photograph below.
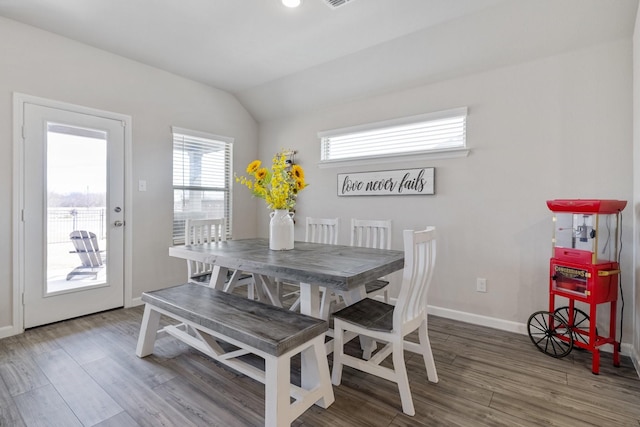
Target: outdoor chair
x=85 y=245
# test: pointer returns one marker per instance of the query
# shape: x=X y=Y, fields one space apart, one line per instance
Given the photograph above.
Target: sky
x=76 y=164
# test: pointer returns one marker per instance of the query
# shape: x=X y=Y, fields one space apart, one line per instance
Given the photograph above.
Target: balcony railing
x=62 y=221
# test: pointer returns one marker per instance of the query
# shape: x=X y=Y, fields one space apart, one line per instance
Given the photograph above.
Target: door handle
x=118 y=223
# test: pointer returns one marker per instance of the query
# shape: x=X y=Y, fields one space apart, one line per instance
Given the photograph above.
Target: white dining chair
x=373 y=234
x=391 y=324
x=211 y=230
x=321 y=230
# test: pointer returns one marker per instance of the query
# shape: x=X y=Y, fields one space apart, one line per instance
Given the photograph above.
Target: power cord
x=620 y=282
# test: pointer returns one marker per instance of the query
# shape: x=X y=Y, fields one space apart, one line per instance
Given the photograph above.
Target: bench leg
x=148 y=331
x=277 y=392
x=316 y=384
x=315 y=371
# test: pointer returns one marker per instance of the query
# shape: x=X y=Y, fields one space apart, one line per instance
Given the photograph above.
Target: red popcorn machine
x=584 y=268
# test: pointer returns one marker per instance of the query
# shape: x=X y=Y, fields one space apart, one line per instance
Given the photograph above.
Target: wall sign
x=399 y=182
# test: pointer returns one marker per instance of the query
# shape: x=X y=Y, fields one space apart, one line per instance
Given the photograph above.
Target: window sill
x=384 y=159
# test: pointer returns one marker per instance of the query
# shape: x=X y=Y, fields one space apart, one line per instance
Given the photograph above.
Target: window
x=441 y=132
x=201 y=178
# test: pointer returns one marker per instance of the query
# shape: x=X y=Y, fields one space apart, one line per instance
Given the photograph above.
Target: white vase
x=281 y=230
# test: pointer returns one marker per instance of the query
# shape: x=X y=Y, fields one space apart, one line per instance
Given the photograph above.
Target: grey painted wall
x=41 y=64
x=557 y=127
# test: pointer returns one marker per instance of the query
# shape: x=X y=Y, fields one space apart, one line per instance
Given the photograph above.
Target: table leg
x=267 y=290
x=309 y=305
x=218 y=277
x=367 y=344
x=310 y=299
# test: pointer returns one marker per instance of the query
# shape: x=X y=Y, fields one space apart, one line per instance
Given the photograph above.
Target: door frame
x=19 y=99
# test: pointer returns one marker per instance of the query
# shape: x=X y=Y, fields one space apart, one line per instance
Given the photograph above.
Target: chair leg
x=402 y=379
x=338 y=352
x=427 y=354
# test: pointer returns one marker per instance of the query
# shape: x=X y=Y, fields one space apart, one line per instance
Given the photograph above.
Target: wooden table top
x=333 y=266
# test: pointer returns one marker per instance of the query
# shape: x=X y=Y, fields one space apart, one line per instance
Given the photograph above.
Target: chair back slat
x=371 y=233
x=419 y=260
x=322 y=230
x=85 y=244
x=200 y=232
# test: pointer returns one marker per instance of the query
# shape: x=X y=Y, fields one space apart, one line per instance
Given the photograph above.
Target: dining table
x=338 y=268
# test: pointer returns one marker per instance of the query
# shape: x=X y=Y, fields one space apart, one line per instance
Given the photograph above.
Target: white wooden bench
x=207 y=315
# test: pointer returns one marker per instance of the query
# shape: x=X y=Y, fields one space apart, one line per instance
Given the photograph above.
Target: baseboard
x=519 y=328
x=635 y=358
x=7 y=331
x=476 y=319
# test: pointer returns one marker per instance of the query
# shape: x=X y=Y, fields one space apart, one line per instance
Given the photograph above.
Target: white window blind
x=433 y=132
x=201 y=178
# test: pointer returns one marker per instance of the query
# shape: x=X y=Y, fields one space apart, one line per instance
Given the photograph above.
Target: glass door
x=73 y=214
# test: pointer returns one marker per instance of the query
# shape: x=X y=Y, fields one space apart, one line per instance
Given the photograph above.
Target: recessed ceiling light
x=291 y=3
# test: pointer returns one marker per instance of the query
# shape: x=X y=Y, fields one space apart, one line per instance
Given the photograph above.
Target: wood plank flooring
x=84 y=372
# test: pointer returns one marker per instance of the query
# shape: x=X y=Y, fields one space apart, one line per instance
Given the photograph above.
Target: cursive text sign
x=399 y=182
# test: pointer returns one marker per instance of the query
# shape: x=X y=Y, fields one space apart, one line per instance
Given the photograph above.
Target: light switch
x=142 y=185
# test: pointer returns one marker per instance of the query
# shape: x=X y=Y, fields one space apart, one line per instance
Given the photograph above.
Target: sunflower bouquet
x=278 y=186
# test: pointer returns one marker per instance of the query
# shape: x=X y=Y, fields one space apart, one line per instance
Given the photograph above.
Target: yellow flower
x=261 y=174
x=297 y=172
x=253 y=166
x=278 y=186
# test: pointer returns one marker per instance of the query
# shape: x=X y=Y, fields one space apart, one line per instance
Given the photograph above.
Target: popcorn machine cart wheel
x=585 y=269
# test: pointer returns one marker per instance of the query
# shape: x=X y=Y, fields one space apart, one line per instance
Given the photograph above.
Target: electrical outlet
x=481 y=285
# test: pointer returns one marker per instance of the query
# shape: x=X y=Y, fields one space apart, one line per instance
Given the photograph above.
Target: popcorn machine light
x=584 y=267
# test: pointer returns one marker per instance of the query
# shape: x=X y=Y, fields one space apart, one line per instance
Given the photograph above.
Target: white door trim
x=19 y=99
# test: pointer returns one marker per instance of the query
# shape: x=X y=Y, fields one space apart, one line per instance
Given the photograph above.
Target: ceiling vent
x=333 y=4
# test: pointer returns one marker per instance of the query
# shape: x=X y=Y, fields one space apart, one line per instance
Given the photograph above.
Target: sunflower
x=297 y=172
x=253 y=166
x=261 y=174
x=278 y=186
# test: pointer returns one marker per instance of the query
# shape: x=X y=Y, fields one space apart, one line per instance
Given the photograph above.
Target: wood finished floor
x=84 y=372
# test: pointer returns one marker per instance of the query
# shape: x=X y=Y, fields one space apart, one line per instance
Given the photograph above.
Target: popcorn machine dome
x=584 y=267
x=586 y=230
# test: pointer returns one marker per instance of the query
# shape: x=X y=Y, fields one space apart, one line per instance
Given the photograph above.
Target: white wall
x=41 y=64
x=552 y=128
x=558 y=127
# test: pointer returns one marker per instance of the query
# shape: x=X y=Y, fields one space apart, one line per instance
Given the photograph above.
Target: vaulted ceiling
x=280 y=61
